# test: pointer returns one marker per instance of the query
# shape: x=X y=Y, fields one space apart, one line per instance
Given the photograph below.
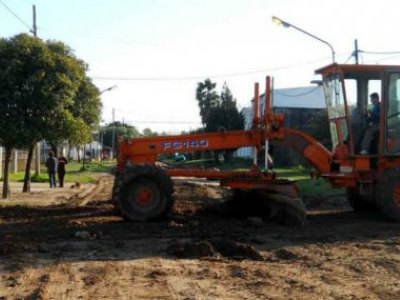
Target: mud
x=71 y=244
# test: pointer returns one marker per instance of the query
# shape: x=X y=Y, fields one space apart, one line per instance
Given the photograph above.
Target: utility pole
x=37 y=148
x=34 y=27
x=113 y=133
x=355 y=53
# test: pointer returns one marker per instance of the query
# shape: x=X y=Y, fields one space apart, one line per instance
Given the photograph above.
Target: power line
x=382 y=59
x=150 y=118
x=163 y=122
x=380 y=53
x=297 y=95
x=347 y=60
x=14 y=14
x=200 y=77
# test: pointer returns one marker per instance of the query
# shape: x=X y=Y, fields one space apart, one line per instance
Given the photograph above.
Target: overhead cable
x=199 y=77
x=380 y=53
x=14 y=14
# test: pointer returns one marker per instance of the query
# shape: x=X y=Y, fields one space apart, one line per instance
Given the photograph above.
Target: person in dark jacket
x=51 y=164
x=62 y=161
x=373 y=124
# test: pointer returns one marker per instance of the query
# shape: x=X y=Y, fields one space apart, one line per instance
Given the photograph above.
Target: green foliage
x=87 y=104
x=44 y=92
x=207 y=99
x=118 y=129
x=318 y=127
x=218 y=112
x=80 y=132
x=149 y=133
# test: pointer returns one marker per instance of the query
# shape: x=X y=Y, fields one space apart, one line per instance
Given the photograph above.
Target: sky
x=156 y=51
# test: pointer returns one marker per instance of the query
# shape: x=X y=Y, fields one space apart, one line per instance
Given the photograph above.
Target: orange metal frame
x=352 y=169
x=268 y=128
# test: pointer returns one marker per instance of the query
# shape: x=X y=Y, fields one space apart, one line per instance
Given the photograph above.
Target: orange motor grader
x=144 y=191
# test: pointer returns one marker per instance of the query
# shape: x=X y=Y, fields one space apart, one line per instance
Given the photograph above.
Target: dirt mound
x=236 y=250
x=193 y=250
x=285 y=254
x=215 y=248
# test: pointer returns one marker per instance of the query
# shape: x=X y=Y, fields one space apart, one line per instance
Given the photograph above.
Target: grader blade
x=284 y=209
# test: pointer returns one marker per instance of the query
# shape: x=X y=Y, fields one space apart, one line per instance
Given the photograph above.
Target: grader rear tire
x=145 y=193
x=360 y=203
x=387 y=193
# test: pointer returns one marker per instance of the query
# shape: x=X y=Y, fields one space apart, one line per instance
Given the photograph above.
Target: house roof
x=300 y=97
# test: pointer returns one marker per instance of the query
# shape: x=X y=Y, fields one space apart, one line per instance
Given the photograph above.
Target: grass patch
x=310 y=188
x=295 y=173
x=236 y=164
x=75 y=172
x=318 y=188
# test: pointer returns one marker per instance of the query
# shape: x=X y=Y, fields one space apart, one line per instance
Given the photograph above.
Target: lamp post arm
x=315 y=37
x=108 y=89
x=279 y=21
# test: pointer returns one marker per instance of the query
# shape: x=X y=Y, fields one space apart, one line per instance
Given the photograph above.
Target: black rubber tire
x=115 y=194
x=360 y=203
x=387 y=193
x=116 y=188
x=145 y=193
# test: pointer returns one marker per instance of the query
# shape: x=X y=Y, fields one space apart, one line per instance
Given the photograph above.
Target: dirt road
x=70 y=244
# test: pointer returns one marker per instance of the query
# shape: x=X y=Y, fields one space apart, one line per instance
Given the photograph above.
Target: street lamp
x=278 y=21
x=108 y=89
x=113 y=132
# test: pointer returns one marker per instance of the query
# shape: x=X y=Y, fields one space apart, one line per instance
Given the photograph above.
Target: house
x=297 y=105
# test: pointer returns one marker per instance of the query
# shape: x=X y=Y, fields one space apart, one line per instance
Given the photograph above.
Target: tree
x=87 y=103
x=230 y=117
x=38 y=83
x=85 y=111
x=149 y=133
x=80 y=134
x=318 y=127
x=118 y=129
x=218 y=112
x=207 y=99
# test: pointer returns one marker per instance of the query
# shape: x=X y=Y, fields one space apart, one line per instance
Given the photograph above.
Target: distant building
x=297 y=105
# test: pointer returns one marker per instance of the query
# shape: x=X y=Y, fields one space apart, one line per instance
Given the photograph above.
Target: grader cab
x=144 y=191
x=371 y=175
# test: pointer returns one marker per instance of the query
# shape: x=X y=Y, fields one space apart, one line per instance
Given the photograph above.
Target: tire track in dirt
x=338 y=255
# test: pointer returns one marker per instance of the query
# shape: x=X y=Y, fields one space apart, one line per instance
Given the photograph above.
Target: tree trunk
x=27 y=178
x=6 y=181
x=84 y=156
x=79 y=153
x=69 y=152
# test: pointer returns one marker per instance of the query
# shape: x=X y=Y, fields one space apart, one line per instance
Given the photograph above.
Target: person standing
x=51 y=164
x=62 y=161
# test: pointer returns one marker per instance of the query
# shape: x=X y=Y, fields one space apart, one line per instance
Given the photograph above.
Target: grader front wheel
x=388 y=195
x=145 y=193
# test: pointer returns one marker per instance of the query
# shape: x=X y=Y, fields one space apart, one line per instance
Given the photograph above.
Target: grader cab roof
x=350 y=70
